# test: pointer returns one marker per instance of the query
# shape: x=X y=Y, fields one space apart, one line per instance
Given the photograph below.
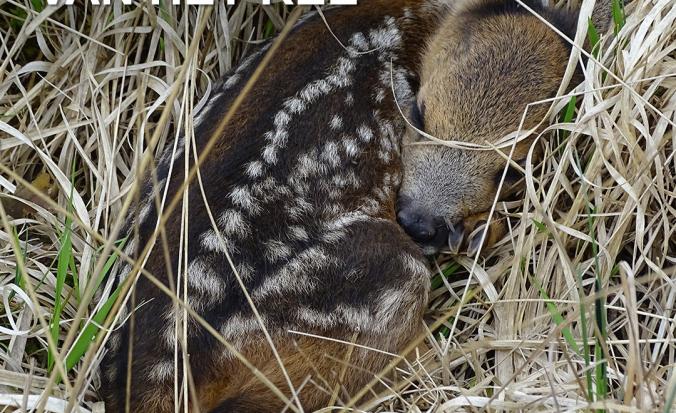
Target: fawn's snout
x=434 y=232
x=425 y=227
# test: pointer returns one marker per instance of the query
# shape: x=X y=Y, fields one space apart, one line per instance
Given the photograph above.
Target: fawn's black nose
x=422 y=228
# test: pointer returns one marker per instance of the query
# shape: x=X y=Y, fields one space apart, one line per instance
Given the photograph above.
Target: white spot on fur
x=350 y=146
x=145 y=211
x=233 y=224
x=357 y=318
x=413 y=265
x=402 y=87
x=247 y=61
x=209 y=241
x=359 y=41
x=299 y=208
x=113 y=343
x=298 y=233
x=237 y=326
x=380 y=95
x=360 y=318
x=346 y=220
x=232 y=81
x=282 y=119
x=335 y=193
x=341 y=78
x=162 y=371
x=316 y=319
x=283 y=191
x=349 y=99
x=208 y=288
x=353 y=179
x=156 y=192
x=180 y=145
x=336 y=122
x=333 y=237
x=314 y=90
x=335 y=230
x=279 y=138
x=299 y=185
x=308 y=165
x=294 y=105
x=270 y=154
x=245 y=271
x=276 y=250
x=130 y=248
x=242 y=197
x=295 y=275
x=269 y=183
x=339 y=181
x=389 y=305
x=388 y=37
x=365 y=133
x=169 y=333
x=254 y=169
x=333 y=209
x=124 y=271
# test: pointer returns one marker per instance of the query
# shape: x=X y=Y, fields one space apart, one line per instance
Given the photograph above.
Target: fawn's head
x=487 y=62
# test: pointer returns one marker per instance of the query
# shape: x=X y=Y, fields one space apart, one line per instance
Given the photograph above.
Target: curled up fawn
x=324 y=205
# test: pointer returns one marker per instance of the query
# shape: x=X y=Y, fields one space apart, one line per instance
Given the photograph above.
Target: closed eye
x=417 y=116
x=513 y=174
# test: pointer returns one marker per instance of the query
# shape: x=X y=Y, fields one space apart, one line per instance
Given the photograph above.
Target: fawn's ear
x=566 y=21
x=602 y=15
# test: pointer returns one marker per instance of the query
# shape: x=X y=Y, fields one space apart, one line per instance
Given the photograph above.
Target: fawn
x=324 y=204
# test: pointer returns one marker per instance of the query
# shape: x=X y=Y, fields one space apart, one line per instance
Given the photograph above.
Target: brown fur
x=363 y=279
x=487 y=62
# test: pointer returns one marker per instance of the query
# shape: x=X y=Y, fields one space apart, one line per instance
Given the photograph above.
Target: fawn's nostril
x=420 y=227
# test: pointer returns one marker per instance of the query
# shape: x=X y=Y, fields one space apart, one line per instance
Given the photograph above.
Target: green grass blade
x=556 y=316
x=447 y=272
x=63 y=261
x=38 y=5
x=568 y=116
x=593 y=36
x=268 y=30
x=585 y=339
x=90 y=331
x=601 y=372
x=109 y=263
x=19 y=278
x=619 y=17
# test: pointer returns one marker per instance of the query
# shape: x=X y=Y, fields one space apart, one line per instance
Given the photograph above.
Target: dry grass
x=573 y=312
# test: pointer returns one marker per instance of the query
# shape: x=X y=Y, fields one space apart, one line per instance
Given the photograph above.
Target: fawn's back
x=302 y=187
x=294 y=212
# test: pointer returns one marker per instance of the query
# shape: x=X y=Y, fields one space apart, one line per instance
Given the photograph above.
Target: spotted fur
x=303 y=184
x=302 y=188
